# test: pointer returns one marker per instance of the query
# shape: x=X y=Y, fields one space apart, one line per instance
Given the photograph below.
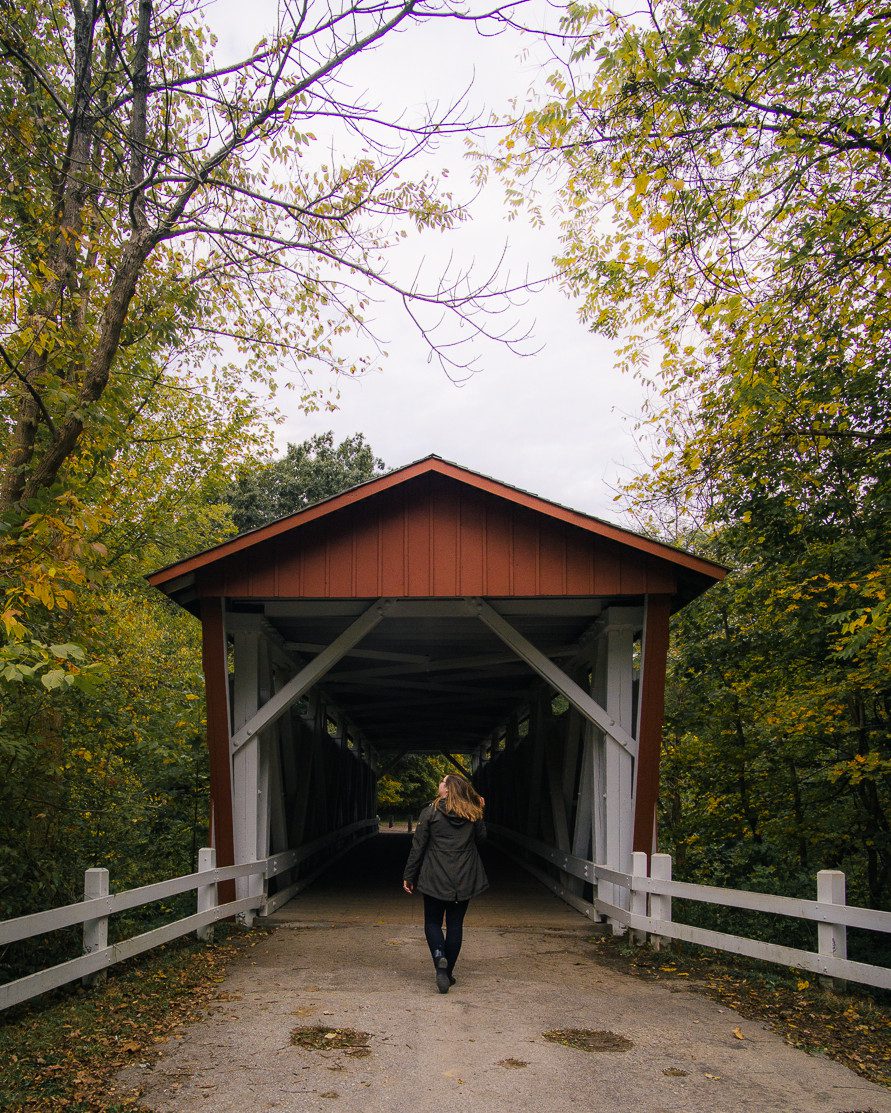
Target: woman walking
x=444 y=866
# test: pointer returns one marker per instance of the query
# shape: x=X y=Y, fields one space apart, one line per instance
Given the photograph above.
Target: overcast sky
x=559 y=421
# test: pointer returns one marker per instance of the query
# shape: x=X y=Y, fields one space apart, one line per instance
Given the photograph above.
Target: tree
x=161 y=210
x=725 y=176
x=724 y=170
x=307 y=473
x=411 y=783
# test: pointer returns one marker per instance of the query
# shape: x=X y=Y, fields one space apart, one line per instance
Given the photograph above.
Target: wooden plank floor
x=365 y=886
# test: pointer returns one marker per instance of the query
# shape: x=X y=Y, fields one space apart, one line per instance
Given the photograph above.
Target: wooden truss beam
x=421 y=686
x=446 y=664
x=418 y=659
x=457 y=764
x=554 y=675
x=310 y=674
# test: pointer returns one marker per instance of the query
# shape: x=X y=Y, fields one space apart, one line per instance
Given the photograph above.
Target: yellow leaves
x=641 y=184
x=659 y=222
x=11 y=624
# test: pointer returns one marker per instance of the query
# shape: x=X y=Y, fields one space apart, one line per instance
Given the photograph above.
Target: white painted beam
x=311 y=674
x=555 y=676
x=369 y=654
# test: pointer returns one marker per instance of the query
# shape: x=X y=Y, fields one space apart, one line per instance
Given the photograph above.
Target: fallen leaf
x=738 y=1033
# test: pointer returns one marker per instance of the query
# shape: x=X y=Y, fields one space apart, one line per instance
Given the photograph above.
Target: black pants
x=453 y=912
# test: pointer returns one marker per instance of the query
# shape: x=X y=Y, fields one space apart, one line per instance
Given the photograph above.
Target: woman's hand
x=408 y=887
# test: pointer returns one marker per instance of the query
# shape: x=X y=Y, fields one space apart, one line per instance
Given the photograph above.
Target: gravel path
x=348 y=954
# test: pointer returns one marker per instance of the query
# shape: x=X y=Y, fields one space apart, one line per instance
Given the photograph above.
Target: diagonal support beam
x=555 y=676
x=393 y=762
x=311 y=674
x=457 y=764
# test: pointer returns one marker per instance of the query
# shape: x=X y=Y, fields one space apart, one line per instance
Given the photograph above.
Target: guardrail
x=98 y=905
x=650 y=890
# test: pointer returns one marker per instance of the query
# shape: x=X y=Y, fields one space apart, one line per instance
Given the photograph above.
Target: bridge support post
x=654 y=654
x=250 y=793
x=613 y=684
x=216 y=688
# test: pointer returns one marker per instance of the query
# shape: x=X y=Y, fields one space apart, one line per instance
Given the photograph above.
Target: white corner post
x=250 y=793
x=613 y=687
x=832 y=939
x=281 y=744
x=95 y=931
x=256 y=710
x=207 y=894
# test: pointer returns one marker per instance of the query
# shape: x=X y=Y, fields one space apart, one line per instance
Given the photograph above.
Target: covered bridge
x=434 y=610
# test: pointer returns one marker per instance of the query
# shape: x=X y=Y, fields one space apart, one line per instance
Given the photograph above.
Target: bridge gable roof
x=434 y=528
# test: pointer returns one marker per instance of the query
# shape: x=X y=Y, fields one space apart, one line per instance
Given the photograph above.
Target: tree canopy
x=305 y=474
x=725 y=178
x=726 y=188
x=179 y=234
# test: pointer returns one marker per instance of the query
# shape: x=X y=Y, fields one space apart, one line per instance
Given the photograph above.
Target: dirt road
x=347 y=959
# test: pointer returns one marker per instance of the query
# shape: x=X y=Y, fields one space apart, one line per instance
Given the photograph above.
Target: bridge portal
x=434 y=610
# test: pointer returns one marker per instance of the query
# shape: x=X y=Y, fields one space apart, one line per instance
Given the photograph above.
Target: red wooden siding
x=433 y=536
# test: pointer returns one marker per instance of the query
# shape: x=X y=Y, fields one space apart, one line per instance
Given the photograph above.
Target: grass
x=63 y=1050
x=854 y=1027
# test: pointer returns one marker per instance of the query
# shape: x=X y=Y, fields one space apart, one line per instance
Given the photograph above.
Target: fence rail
x=650 y=890
x=94 y=911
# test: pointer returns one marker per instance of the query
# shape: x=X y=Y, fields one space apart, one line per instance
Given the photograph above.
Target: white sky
x=558 y=422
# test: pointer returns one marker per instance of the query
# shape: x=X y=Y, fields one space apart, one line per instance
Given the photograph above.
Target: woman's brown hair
x=462 y=799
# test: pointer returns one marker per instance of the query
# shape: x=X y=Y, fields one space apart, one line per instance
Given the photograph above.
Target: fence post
x=207 y=894
x=95 y=931
x=832 y=939
x=660 y=905
x=638 y=896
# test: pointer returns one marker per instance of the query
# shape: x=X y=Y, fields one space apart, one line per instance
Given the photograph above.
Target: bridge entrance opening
x=434 y=610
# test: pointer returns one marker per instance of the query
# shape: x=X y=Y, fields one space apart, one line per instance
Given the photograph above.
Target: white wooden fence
x=641 y=901
x=98 y=904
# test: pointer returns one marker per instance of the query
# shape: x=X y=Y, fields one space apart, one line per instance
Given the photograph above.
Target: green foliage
x=412 y=783
x=725 y=184
x=116 y=777
x=306 y=474
x=777 y=757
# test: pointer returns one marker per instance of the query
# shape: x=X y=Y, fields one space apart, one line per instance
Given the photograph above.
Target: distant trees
x=308 y=472
x=411 y=783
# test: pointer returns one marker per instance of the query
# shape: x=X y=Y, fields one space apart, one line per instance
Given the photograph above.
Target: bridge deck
x=366 y=887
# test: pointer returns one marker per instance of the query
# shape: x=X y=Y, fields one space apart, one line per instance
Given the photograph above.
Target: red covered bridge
x=435 y=610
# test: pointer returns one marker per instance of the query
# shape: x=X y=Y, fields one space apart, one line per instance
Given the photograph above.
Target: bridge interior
x=430 y=678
